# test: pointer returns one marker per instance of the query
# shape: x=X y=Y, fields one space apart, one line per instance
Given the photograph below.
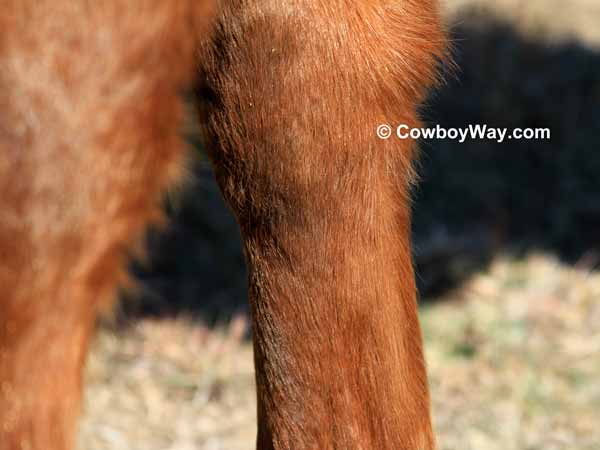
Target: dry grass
x=544 y=19
x=170 y=384
x=512 y=360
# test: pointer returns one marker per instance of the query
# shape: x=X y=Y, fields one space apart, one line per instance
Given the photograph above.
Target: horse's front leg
x=297 y=90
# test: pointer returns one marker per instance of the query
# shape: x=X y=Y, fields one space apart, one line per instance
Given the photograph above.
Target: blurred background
x=506 y=249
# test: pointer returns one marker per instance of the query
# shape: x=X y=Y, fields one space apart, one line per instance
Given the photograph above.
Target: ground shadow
x=475 y=198
x=480 y=197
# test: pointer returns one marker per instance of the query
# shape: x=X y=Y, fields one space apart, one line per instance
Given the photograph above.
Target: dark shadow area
x=475 y=198
x=480 y=197
x=196 y=266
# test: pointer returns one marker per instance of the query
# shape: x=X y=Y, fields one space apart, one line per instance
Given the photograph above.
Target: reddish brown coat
x=90 y=121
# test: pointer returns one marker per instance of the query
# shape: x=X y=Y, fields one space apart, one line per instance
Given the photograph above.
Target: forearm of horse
x=298 y=90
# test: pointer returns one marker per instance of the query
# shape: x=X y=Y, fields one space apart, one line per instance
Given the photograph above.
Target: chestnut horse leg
x=296 y=91
x=90 y=124
x=89 y=118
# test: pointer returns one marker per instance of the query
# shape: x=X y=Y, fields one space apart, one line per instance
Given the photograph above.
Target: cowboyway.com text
x=479 y=131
